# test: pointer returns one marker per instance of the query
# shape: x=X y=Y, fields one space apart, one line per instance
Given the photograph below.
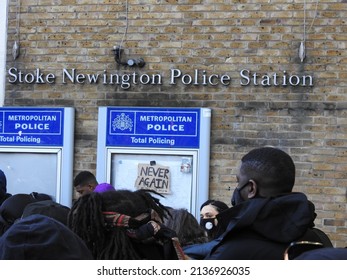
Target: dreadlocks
x=107 y=238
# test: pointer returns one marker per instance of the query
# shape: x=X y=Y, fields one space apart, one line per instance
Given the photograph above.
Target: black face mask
x=208 y=224
x=236 y=197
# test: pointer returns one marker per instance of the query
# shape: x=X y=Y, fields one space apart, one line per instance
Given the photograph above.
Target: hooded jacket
x=3 y=197
x=38 y=237
x=12 y=208
x=262 y=228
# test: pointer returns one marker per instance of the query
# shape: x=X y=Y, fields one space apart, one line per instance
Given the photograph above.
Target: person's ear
x=252 y=189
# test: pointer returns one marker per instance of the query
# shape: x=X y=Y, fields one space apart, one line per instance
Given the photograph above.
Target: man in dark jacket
x=266 y=215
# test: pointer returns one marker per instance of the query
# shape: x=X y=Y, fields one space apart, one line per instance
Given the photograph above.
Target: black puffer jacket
x=262 y=228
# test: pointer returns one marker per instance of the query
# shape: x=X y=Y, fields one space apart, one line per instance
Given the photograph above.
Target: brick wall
x=220 y=37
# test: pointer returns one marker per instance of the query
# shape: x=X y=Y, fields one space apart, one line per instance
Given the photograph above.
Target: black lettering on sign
x=153 y=177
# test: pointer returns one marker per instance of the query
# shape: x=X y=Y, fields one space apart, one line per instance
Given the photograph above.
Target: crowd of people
x=266 y=220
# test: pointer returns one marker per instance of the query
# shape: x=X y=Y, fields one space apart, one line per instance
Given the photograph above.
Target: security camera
x=136 y=62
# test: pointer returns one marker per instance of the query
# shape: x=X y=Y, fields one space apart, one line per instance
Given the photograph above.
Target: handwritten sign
x=153 y=177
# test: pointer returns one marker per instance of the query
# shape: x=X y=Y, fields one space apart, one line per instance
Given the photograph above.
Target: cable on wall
x=118 y=49
x=302 y=47
x=15 y=48
x=126 y=24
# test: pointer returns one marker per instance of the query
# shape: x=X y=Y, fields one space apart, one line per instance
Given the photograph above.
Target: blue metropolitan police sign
x=31 y=126
x=148 y=127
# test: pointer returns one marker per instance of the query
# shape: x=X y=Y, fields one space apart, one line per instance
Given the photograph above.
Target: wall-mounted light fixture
x=132 y=62
x=302 y=52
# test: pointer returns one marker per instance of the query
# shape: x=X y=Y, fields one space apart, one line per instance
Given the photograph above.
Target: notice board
x=176 y=186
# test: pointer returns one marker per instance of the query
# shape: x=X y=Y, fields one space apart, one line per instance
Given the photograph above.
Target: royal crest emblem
x=122 y=122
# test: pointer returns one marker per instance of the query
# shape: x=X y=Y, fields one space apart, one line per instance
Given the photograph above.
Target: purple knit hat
x=104 y=187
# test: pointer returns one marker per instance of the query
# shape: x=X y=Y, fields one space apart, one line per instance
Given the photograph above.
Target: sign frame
x=60 y=143
x=200 y=151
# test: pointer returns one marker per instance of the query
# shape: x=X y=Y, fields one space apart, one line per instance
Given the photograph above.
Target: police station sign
x=148 y=127
x=175 y=76
x=31 y=126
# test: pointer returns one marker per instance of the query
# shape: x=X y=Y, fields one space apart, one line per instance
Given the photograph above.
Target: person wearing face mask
x=208 y=221
x=266 y=215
